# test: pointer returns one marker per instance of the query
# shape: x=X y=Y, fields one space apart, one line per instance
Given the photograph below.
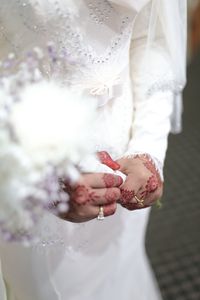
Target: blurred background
x=173 y=237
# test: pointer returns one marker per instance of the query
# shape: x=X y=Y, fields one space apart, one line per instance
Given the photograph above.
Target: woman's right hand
x=89 y=193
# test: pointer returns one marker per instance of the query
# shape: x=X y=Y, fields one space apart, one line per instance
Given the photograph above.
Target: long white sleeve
x=153 y=101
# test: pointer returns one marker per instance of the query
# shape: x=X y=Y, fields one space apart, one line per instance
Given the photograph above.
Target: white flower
x=53 y=123
x=44 y=134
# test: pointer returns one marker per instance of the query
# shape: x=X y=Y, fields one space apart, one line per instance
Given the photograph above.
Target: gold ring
x=101 y=216
x=140 y=202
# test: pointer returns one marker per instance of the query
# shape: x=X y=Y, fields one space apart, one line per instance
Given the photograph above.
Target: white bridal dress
x=107 y=42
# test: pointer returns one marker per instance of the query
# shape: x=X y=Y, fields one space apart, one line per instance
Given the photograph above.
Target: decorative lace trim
x=164 y=85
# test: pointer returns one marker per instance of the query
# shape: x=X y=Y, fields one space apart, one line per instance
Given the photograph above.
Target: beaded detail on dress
x=42 y=22
x=59 y=25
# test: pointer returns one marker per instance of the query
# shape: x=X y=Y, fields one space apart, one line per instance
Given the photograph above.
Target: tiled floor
x=173 y=238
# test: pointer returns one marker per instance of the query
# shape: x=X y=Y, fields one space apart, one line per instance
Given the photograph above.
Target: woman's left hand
x=143 y=185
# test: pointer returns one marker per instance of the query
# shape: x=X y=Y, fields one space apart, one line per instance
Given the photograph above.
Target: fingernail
x=106 y=159
x=119 y=180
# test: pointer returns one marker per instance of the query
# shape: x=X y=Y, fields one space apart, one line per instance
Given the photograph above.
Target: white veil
x=166 y=27
x=168 y=20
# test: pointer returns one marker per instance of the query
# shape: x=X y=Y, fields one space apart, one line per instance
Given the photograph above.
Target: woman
x=129 y=55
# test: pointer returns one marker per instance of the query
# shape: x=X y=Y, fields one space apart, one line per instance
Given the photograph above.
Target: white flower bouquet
x=45 y=131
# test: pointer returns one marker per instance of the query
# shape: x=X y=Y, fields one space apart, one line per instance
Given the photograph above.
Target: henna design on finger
x=129 y=206
x=127 y=196
x=109 y=180
x=134 y=206
x=82 y=195
x=111 y=196
x=109 y=210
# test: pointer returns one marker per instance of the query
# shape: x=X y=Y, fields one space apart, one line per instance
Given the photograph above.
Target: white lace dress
x=95 y=260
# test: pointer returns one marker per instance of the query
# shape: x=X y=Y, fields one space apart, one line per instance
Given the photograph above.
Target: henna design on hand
x=151 y=186
x=109 y=180
x=150 y=165
x=154 y=181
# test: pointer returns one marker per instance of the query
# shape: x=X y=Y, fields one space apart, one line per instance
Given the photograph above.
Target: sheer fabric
x=166 y=29
x=107 y=43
